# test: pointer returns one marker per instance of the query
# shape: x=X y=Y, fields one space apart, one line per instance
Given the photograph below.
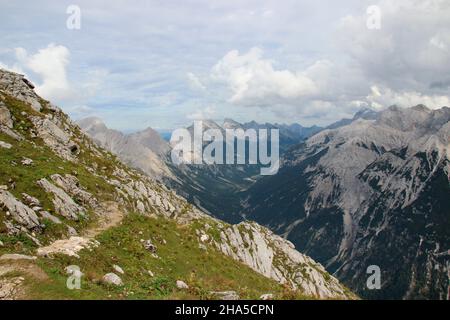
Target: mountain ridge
x=348 y=189
x=65 y=201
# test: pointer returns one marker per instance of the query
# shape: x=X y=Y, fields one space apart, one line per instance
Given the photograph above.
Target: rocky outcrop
x=21 y=213
x=55 y=138
x=71 y=185
x=64 y=204
x=20 y=88
x=5 y=116
x=7 y=123
x=276 y=258
x=374 y=191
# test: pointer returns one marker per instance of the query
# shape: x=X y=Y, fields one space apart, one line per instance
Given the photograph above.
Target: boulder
x=148 y=245
x=18 y=211
x=5 y=116
x=55 y=138
x=71 y=185
x=182 y=285
x=204 y=238
x=112 y=279
x=26 y=162
x=5 y=145
x=71 y=231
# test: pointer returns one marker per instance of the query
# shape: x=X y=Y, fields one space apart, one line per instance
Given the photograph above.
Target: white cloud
x=380 y=98
x=195 y=82
x=202 y=114
x=50 y=64
x=409 y=51
x=254 y=80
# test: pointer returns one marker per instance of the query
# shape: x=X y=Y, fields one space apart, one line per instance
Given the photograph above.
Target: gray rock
x=118 y=269
x=225 y=295
x=10 y=132
x=19 y=211
x=52 y=218
x=15 y=256
x=148 y=245
x=5 y=116
x=30 y=201
x=182 y=285
x=71 y=185
x=9 y=287
x=64 y=204
x=1 y=243
x=71 y=231
x=113 y=279
x=20 y=88
x=140 y=207
x=5 y=145
x=267 y=296
x=55 y=138
x=26 y=162
x=259 y=248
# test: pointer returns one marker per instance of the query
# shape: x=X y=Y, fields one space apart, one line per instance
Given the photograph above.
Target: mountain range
x=372 y=191
x=78 y=223
x=368 y=190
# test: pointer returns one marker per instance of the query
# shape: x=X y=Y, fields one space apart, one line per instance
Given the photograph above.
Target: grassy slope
x=180 y=258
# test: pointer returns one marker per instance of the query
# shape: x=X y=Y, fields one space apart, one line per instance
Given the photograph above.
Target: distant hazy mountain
x=144 y=150
x=212 y=187
x=373 y=191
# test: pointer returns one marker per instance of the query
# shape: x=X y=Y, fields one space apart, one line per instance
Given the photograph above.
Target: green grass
x=180 y=258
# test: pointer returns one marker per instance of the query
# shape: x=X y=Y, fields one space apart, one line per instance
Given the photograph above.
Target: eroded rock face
x=71 y=185
x=64 y=204
x=276 y=258
x=5 y=116
x=21 y=213
x=20 y=88
x=7 y=123
x=55 y=138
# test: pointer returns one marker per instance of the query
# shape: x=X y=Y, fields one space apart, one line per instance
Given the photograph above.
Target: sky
x=163 y=64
